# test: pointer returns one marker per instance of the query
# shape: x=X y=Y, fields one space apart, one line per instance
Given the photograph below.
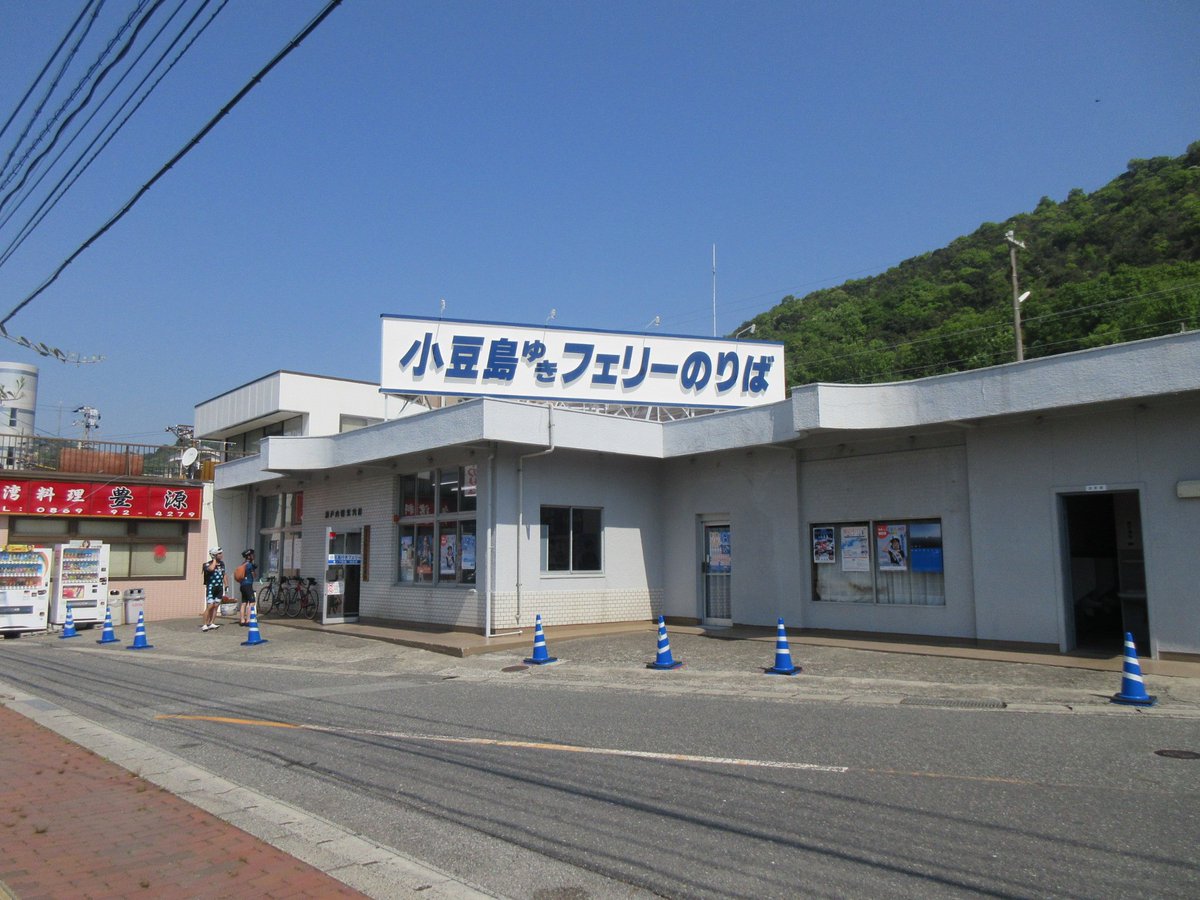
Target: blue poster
x=925 y=546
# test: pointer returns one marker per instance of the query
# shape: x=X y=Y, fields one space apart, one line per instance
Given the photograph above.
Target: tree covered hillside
x=1115 y=265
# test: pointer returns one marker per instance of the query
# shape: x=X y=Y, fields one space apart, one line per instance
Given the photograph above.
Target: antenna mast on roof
x=714 y=290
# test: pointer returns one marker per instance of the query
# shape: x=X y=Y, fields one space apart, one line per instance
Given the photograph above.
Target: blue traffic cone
x=139 y=634
x=107 y=636
x=783 y=656
x=540 y=656
x=664 y=659
x=253 y=638
x=1133 y=691
x=69 y=627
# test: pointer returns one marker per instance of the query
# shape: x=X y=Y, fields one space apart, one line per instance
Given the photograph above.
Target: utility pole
x=1013 y=246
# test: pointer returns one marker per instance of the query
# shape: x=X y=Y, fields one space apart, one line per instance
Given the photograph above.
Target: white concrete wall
x=756 y=489
x=885 y=483
x=628 y=492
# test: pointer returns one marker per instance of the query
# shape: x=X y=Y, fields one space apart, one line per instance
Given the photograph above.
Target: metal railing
x=32 y=453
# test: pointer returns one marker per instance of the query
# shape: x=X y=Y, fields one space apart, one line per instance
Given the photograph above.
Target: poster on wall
x=824 y=550
x=449 y=555
x=468 y=552
x=856 y=551
x=925 y=546
x=408 y=558
x=425 y=557
x=892 y=547
x=720 y=554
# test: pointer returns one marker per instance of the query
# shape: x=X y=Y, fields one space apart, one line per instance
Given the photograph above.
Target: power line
x=212 y=123
x=80 y=166
x=54 y=84
x=32 y=166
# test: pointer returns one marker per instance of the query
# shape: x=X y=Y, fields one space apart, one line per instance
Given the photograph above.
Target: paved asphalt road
x=871 y=775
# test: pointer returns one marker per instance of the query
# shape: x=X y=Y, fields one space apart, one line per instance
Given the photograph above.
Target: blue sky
x=513 y=158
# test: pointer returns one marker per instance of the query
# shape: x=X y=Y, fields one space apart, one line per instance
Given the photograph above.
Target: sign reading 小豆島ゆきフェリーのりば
x=484 y=359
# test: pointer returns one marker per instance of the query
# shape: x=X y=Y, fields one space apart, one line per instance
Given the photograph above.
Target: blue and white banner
x=484 y=359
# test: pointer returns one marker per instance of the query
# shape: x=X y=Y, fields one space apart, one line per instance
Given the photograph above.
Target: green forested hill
x=1115 y=265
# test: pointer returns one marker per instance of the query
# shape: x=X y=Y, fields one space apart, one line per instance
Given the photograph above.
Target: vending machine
x=24 y=588
x=80 y=582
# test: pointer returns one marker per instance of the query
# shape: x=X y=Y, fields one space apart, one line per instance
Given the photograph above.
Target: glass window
x=101 y=528
x=448 y=490
x=161 y=529
x=40 y=526
x=895 y=562
x=437 y=541
x=150 y=561
x=572 y=539
x=424 y=570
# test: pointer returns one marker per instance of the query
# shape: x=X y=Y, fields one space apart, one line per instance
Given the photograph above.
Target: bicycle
x=268 y=598
x=302 y=598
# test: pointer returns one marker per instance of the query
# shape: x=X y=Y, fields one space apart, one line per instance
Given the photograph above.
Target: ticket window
x=343 y=573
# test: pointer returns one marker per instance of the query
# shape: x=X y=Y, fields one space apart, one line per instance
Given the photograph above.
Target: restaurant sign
x=26 y=497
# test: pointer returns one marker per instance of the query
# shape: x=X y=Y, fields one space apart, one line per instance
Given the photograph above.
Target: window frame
x=893 y=584
x=127 y=544
x=427 y=522
x=574 y=553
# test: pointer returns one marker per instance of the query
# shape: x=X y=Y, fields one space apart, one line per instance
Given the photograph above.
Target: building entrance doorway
x=716 y=572
x=1106 y=576
x=342 y=576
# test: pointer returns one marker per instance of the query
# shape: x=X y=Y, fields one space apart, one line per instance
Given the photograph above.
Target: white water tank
x=18 y=397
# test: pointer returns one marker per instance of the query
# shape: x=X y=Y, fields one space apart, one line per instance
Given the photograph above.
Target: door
x=716 y=571
x=342 y=577
x=1105 y=572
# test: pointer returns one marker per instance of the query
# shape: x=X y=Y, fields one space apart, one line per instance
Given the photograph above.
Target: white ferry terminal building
x=1052 y=503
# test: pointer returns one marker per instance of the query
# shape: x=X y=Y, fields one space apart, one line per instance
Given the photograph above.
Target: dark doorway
x=1106 y=573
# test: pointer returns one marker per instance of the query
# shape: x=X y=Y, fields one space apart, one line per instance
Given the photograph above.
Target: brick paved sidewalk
x=75 y=825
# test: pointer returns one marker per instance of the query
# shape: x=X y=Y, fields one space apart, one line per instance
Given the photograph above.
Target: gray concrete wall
x=895 y=480
x=756 y=490
x=1018 y=474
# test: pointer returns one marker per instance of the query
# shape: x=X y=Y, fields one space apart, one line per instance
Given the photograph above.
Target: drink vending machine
x=80 y=582
x=24 y=588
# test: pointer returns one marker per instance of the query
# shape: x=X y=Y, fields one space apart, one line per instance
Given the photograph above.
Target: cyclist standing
x=246 y=573
x=214 y=588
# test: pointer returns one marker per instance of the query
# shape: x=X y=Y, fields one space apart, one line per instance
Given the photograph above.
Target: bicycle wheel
x=265 y=601
x=310 y=603
x=291 y=607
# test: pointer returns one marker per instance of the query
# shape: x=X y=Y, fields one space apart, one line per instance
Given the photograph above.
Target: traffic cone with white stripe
x=783 y=656
x=69 y=628
x=540 y=656
x=1133 y=689
x=108 y=636
x=663 y=660
x=253 y=637
x=139 y=634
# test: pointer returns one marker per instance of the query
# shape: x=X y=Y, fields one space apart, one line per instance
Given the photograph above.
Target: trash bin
x=135 y=602
x=115 y=607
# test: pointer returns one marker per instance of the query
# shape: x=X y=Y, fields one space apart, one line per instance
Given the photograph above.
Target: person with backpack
x=244 y=575
x=214 y=588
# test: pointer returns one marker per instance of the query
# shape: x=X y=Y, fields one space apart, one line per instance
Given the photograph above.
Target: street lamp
x=1013 y=246
x=749 y=329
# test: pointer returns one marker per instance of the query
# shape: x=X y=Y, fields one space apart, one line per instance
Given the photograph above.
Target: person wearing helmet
x=214 y=588
x=245 y=575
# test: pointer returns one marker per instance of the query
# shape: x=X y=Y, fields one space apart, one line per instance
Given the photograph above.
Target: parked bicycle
x=269 y=597
x=303 y=598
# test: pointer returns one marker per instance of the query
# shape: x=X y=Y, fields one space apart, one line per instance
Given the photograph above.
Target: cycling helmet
x=214 y=551
x=246 y=554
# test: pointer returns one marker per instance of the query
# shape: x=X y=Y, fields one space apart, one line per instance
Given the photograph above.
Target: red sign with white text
x=108 y=500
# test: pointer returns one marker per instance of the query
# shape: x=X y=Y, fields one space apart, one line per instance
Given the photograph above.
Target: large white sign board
x=447 y=356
